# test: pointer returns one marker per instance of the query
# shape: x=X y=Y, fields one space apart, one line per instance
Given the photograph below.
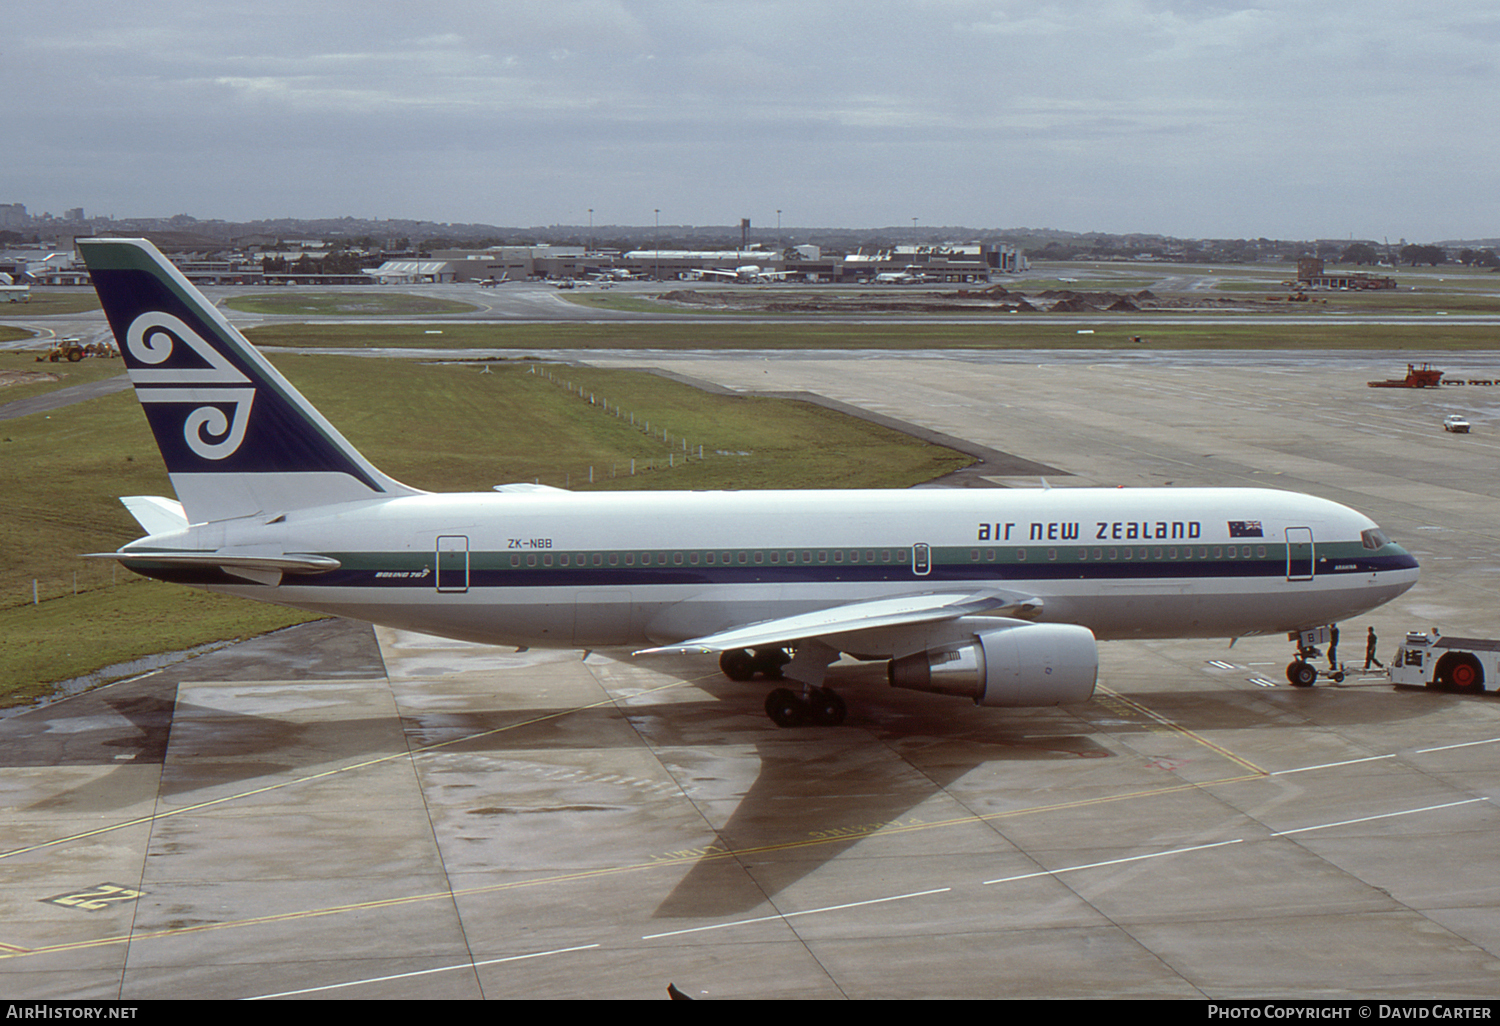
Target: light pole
x=657 y=244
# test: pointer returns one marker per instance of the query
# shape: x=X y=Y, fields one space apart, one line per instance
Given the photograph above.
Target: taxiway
x=339 y=812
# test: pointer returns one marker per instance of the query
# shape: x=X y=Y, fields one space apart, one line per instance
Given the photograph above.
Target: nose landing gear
x=1300 y=672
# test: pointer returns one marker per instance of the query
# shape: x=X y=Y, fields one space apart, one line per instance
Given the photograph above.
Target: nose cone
x=1397 y=570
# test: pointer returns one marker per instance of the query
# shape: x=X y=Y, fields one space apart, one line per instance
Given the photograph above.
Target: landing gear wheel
x=737 y=664
x=827 y=708
x=769 y=661
x=1301 y=674
x=786 y=708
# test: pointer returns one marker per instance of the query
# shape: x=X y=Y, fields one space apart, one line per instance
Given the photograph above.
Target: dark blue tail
x=237 y=438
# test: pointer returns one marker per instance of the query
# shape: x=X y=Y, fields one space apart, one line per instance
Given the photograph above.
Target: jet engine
x=1030 y=664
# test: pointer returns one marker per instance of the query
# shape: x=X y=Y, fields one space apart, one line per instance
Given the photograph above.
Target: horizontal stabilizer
x=525 y=487
x=155 y=514
x=858 y=616
x=289 y=563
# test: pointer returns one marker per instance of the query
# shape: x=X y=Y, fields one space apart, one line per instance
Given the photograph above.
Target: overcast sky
x=1283 y=118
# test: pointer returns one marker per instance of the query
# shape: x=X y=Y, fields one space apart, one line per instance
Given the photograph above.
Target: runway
x=339 y=812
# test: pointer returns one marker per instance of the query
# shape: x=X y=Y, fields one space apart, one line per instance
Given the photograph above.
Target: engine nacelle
x=1032 y=664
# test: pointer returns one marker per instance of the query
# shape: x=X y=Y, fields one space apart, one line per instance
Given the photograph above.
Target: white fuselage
x=605 y=569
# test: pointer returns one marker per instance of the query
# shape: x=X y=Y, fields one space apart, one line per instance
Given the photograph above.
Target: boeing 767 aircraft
x=997 y=596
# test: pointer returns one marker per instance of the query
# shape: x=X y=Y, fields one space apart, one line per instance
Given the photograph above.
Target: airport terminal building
x=952 y=262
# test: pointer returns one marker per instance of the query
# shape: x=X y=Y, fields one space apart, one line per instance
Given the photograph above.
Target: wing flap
x=899 y=611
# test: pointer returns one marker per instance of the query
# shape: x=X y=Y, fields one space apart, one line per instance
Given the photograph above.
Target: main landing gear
x=816 y=707
x=811 y=705
x=741 y=665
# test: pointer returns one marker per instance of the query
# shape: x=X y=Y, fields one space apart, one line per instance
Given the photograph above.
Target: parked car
x=1455 y=423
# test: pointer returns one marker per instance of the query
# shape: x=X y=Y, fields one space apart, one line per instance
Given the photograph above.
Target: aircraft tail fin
x=237 y=438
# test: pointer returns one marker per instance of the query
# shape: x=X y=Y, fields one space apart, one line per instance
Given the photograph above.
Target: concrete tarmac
x=339 y=812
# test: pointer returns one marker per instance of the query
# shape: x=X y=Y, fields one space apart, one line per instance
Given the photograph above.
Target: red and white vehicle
x=1456 y=664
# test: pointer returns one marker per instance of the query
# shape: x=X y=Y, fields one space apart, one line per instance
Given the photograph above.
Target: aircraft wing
x=901 y=611
x=527 y=488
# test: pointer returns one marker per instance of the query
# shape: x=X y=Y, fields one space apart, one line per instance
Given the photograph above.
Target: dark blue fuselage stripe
x=643 y=577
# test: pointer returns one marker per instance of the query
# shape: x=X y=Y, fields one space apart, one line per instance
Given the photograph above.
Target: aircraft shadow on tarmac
x=813 y=793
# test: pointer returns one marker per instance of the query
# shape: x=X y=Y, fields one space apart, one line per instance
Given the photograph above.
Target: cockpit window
x=1374 y=538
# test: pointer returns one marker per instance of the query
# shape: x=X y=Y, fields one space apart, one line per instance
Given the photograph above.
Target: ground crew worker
x=1370 y=641
x=1333 y=647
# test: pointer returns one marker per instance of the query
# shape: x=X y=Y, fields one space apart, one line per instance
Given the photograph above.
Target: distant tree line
x=333 y=263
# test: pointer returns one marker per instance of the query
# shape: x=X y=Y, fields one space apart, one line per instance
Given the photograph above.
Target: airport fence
x=91 y=575
x=679 y=450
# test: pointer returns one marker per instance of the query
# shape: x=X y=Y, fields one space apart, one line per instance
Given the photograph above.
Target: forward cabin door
x=1299 y=554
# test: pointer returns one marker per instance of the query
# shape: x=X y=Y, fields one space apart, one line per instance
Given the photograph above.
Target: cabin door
x=452 y=562
x=921 y=559
x=1299 y=554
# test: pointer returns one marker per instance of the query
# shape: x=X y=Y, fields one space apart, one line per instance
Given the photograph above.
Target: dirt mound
x=689 y=296
x=1073 y=303
x=12 y=377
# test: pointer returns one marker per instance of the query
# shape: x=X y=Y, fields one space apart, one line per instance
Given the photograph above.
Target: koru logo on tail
x=152 y=339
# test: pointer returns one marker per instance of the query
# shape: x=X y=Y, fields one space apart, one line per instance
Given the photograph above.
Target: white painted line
x=1387 y=815
x=789 y=915
x=1465 y=744
x=421 y=972
x=1114 y=862
x=1330 y=765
